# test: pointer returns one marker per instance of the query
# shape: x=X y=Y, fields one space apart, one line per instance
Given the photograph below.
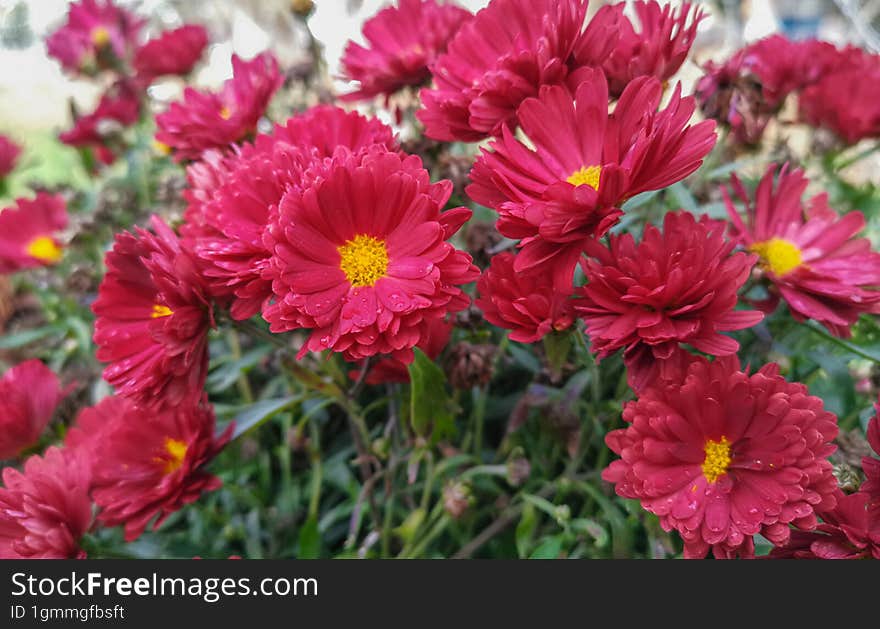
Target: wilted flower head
x=809 y=254
x=402 y=41
x=118 y=108
x=45 y=509
x=9 y=152
x=28 y=232
x=172 y=52
x=720 y=456
x=29 y=394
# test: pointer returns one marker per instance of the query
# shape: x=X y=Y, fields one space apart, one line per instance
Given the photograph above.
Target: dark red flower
x=720 y=456
x=9 y=152
x=402 y=41
x=45 y=510
x=172 y=52
x=28 y=232
x=152 y=318
x=29 y=394
x=118 y=108
x=845 y=102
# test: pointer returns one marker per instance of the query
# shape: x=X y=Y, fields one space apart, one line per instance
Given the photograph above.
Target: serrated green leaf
x=430 y=404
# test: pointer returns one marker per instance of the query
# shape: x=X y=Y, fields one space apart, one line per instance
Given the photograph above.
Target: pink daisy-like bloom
x=207 y=120
x=9 y=152
x=845 y=102
x=98 y=35
x=678 y=286
x=360 y=257
x=173 y=52
x=434 y=339
x=149 y=464
x=585 y=162
x=118 y=108
x=152 y=319
x=29 y=394
x=503 y=56
x=402 y=41
x=28 y=232
x=45 y=509
x=658 y=49
x=526 y=304
x=720 y=455
x=810 y=255
x=846 y=532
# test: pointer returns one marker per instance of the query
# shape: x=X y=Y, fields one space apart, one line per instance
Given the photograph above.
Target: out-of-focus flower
x=585 y=162
x=810 y=255
x=98 y=35
x=149 y=463
x=720 y=456
x=402 y=41
x=208 y=120
x=29 y=394
x=657 y=49
x=9 y=152
x=360 y=257
x=152 y=319
x=845 y=102
x=118 y=108
x=28 y=232
x=871 y=467
x=434 y=340
x=526 y=304
x=457 y=498
x=172 y=52
x=45 y=509
x=678 y=286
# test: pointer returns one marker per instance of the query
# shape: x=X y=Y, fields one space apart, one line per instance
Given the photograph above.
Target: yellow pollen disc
x=363 y=259
x=176 y=451
x=44 y=249
x=225 y=113
x=160 y=311
x=100 y=36
x=717 y=459
x=777 y=255
x=161 y=148
x=586 y=176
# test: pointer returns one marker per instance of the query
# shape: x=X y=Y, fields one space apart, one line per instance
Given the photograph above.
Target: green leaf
x=225 y=375
x=255 y=414
x=431 y=409
x=309 y=540
x=20 y=339
x=548 y=549
x=684 y=198
x=557 y=346
x=525 y=530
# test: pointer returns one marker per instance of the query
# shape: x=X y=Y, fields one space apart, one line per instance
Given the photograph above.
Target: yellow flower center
x=176 y=454
x=717 y=459
x=160 y=311
x=363 y=259
x=161 y=148
x=777 y=255
x=44 y=249
x=586 y=176
x=225 y=113
x=100 y=36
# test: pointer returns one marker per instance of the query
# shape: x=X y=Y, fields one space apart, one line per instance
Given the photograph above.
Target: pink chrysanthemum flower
x=678 y=286
x=526 y=304
x=720 y=456
x=434 y=339
x=9 y=152
x=152 y=319
x=360 y=257
x=173 y=52
x=810 y=256
x=585 y=162
x=846 y=532
x=98 y=35
x=845 y=102
x=871 y=466
x=207 y=120
x=46 y=509
x=149 y=464
x=28 y=232
x=402 y=41
x=118 y=108
x=658 y=49
x=503 y=56
x=29 y=394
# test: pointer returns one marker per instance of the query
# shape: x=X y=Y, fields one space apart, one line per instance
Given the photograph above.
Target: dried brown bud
x=470 y=365
x=302 y=8
x=518 y=470
x=456 y=498
x=455 y=168
x=481 y=240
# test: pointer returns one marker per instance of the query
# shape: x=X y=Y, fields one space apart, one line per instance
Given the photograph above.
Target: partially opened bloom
x=360 y=257
x=678 y=286
x=526 y=304
x=434 y=339
x=149 y=464
x=584 y=163
x=173 y=52
x=845 y=102
x=45 y=509
x=809 y=254
x=9 y=152
x=657 y=49
x=118 y=109
x=98 y=35
x=207 y=120
x=28 y=232
x=402 y=41
x=720 y=456
x=152 y=318
x=29 y=394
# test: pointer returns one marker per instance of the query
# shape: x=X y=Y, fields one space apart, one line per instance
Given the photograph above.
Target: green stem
x=853 y=349
x=317 y=470
x=244 y=385
x=481 y=395
x=251 y=329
